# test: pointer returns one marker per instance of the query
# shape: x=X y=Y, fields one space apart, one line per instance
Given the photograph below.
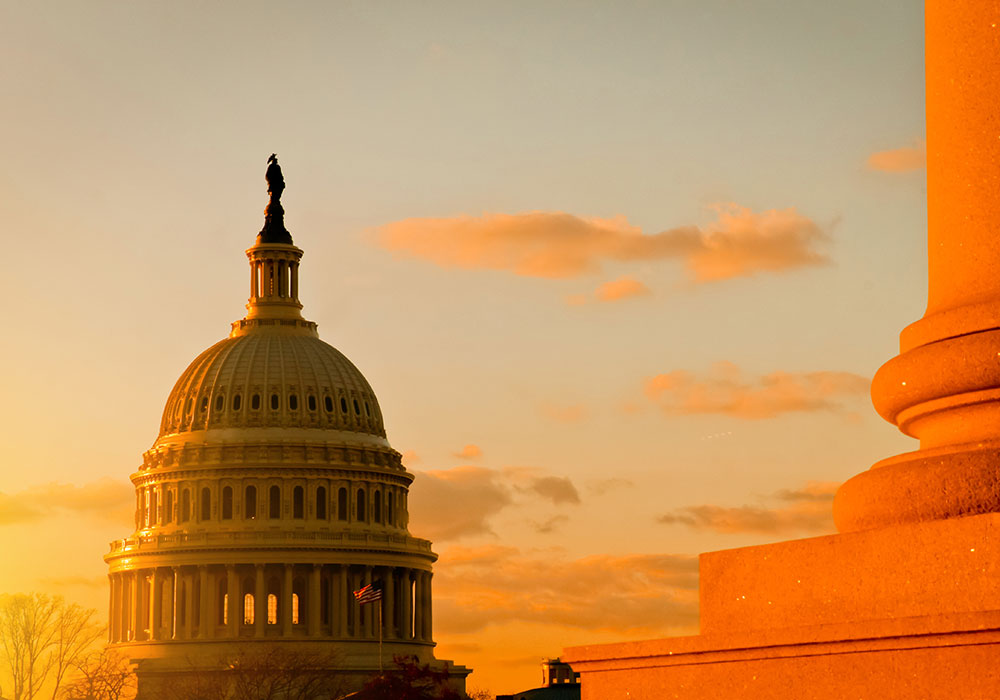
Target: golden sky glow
x=618 y=274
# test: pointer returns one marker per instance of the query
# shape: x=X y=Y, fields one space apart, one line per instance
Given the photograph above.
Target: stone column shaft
x=138 y=625
x=234 y=604
x=259 y=602
x=312 y=603
x=203 y=603
x=406 y=613
x=389 y=602
x=175 y=602
x=285 y=606
x=342 y=593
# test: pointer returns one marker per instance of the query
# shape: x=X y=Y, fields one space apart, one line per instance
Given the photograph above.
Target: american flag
x=370 y=593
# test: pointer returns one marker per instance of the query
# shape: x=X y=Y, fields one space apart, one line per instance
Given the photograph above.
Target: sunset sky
x=619 y=273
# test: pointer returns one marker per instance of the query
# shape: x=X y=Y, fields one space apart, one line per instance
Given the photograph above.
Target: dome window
x=293 y=402
x=237 y=402
x=274 y=503
x=298 y=503
x=342 y=504
x=255 y=402
x=274 y=402
x=185 y=506
x=343 y=404
x=328 y=404
x=357 y=409
x=377 y=507
x=390 y=514
x=187 y=405
x=368 y=410
x=220 y=402
x=250 y=503
x=204 y=404
x=227 y=503
x=361 y=505
x=312 y=402
x=321 y=503
x=206 y=504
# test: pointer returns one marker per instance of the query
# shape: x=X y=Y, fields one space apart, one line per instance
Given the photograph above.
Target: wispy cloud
x=448 y=504
x=739 y=243
x=899 y=160
x=726 y=391
x=469 y=452
x=641 y=593
x=805 y=510
x=602 y=486
x=103 y=499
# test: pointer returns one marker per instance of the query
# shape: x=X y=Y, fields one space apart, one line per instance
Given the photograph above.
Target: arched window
x=357 y=409
x=321 y=503
x=274 y=402
x=361 y=505
x=272 y=609
x=237 y=402
x=168 y=511
x=389 y=509
x=295 y=608
x=250 y=503
x=293 y=402
x=255 y=402
x=377 y=507
x=328 y=404
x=298 y=502
x=274 y=502
x=343 y=404
x=220 y=401
x=227 y=503
x=206 y=504
x=368 y=410
x=342 y=504
x=185 y=505
x=311 y=402
x=152 y=508
x=248 y=609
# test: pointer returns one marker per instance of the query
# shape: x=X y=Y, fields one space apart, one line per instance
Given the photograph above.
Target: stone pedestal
x=904 y=602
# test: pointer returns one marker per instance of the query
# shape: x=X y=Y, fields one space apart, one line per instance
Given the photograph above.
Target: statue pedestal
x=910 y=611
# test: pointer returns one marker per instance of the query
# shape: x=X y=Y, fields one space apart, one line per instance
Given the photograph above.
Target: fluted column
x=155 y=604
x=341 y=621
x=259 y=602
x=389 y=602
x=406 y=613
x=175 y=603
x=111 y=609
x=312 y=604
x=125 y=582
x=234 y=605
x=203 y=603
x=368 y=629
x=189 y=605
x=285 y=607
x=420 y=608
x=138 y=625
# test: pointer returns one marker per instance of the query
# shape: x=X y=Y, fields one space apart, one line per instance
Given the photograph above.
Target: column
x=295 y=280
x=406 y=612
x=189 y=605
x=313 y=602
x=111 y=609
x=253 y=291
x=428 y=606
x=285 y=606
x=389 y=602
x=175 y=603
x=156 y=604
x=138 y=624
x=942 y=387
x=127 y=607
x=259 y=602
x=341 y=621
x=418 y=605
x=203 y=600
x=368 y=612
x=235 y=604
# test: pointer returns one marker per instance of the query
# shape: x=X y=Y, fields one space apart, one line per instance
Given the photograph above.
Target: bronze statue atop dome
x=274 y=230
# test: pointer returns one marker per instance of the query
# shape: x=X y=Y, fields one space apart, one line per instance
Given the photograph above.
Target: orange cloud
x=469 y=452
x=106 y=498
x=454 y=503
x=559 y=245
x=410 y=457
x=899 y=160
x=808 y=509
x=638 y=593
x=726 y=392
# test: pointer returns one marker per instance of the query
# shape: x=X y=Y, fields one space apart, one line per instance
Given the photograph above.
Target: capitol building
x=270 y=495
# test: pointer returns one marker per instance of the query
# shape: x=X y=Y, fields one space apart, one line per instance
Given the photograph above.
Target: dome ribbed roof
x=272 y=379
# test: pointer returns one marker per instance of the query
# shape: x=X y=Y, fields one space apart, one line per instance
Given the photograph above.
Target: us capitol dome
x=270 y=496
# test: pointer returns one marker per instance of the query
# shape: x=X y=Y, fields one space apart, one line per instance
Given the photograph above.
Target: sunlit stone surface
x=902 y=603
